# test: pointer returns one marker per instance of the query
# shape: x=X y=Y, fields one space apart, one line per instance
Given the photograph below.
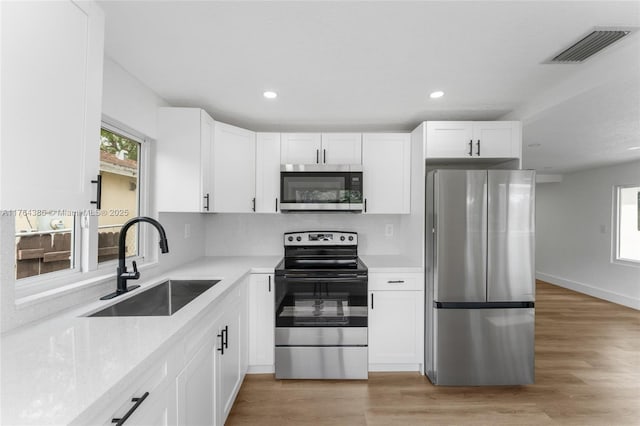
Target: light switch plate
x=388 y=230
x=187 y=230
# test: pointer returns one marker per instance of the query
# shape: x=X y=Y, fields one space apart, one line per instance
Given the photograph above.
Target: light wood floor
x=587 y=372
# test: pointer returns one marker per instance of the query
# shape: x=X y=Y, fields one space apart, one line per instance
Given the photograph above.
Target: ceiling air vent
x=589 y=45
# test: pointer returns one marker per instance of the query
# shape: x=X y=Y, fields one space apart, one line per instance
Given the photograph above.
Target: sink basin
x=162 y=300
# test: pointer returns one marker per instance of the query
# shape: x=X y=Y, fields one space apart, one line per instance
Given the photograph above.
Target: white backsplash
x=261 y=234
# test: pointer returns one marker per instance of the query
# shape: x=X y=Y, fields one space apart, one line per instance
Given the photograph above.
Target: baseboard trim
x=261 y=369
x=394 y=367
x=609 y=296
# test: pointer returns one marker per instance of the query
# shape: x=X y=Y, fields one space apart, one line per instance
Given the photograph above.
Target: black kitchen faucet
x=121 y=273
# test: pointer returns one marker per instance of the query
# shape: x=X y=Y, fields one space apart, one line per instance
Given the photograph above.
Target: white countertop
x=386 y=263
x=53 y=371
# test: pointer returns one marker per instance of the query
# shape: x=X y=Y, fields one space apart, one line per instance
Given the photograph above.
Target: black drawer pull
x=137 y=401
x=206 y=206
x=371 y=300
x=226 y=336
x=396 y=281
x=269 y=283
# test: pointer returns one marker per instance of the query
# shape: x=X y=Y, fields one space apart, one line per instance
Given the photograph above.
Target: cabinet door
x=234 y=162
x=196 y=385
x=207 y=130
x=449 y=139
x=395 y=327
x=386 y=173
x=52 y=54
x=229 y=372
x=341 y=148
x=183 y=160
x=261 y=321
x=300 y=148
x=496 y=139
x=267 y=172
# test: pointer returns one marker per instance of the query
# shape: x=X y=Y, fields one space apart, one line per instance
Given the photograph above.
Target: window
x=628 y=223
x=119 y=168
x=44 y=242
x=57 y=243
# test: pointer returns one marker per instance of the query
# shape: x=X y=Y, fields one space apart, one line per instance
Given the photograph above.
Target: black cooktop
x=309 y=265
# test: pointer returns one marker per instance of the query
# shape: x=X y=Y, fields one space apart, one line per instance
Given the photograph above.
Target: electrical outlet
x=388 y=230
x=187 y=230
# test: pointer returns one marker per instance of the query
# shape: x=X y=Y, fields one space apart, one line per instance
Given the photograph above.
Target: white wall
x=261 y=234
x=127 y=102
x=574 y=226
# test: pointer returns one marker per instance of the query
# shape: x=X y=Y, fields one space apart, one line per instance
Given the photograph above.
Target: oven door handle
x=346 y=278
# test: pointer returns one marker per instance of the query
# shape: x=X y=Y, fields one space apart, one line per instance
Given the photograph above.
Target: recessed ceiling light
x=633 y=148
x=534 y=145
x=436 y=94
x=270 y=95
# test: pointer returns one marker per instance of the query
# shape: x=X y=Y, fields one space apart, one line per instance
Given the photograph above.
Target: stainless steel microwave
x=316 y=187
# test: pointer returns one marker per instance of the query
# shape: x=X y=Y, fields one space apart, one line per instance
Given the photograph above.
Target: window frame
x=143 y=156
x=86 y=270
x=615 y=235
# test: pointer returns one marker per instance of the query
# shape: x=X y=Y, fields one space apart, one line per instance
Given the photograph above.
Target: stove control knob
x=290 y=238
x=298 y=238
x=342 y=238
x=350 y=237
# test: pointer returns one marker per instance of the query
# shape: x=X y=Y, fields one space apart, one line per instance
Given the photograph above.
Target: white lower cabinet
x=215 y=362
x=230 y=369
x=261 y=323
x=195 y=384
x=395 y=324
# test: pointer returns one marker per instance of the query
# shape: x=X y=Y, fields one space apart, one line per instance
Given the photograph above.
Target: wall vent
x=589 y=45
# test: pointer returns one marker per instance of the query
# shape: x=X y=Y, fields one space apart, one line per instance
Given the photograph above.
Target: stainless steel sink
x=161 y=300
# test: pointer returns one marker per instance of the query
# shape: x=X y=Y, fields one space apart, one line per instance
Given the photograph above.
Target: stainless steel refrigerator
x=480 y=277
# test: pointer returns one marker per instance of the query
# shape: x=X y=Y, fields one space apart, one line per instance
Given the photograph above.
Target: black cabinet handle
x=98 y=201
x=226 y=336
x=137 y=401
x=471 y=148
x=324 y=156
x=365 y=205
x=221 y=348
x=253 y=205
x=371 y=300
x=478 y=147
x=269 y=283
x=395 y=281
x=276 y=204
x=317 y=156
x=206 y=206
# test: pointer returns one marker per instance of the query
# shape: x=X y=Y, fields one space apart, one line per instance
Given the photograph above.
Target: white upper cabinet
x=183 y=160
x=51 y=97
x=300 y=148
x=234 y=169
x=267 y=172
x=449 y=139
x=474 y=139
x=386 y=163
x=341 y=148
x=325 y=148
x=497 y=139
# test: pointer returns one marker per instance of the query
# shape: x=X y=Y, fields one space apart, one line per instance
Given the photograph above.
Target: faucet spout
x=122 y=275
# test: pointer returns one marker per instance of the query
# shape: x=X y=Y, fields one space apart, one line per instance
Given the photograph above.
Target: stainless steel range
x=321 y=307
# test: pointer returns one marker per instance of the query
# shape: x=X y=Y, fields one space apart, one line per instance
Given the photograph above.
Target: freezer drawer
x=325 y=362
x=483 y=347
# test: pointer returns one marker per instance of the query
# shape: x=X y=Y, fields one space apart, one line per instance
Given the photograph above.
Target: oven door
x=329 y=301
x=320 y=190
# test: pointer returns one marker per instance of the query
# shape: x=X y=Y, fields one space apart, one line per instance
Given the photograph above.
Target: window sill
x=71 y=288
x=623 y=262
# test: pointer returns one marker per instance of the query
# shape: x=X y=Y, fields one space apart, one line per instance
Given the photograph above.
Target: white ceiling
x=370 y=66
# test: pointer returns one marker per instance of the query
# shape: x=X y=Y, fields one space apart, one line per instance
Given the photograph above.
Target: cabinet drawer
x=154 y=379
x=395 y=281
